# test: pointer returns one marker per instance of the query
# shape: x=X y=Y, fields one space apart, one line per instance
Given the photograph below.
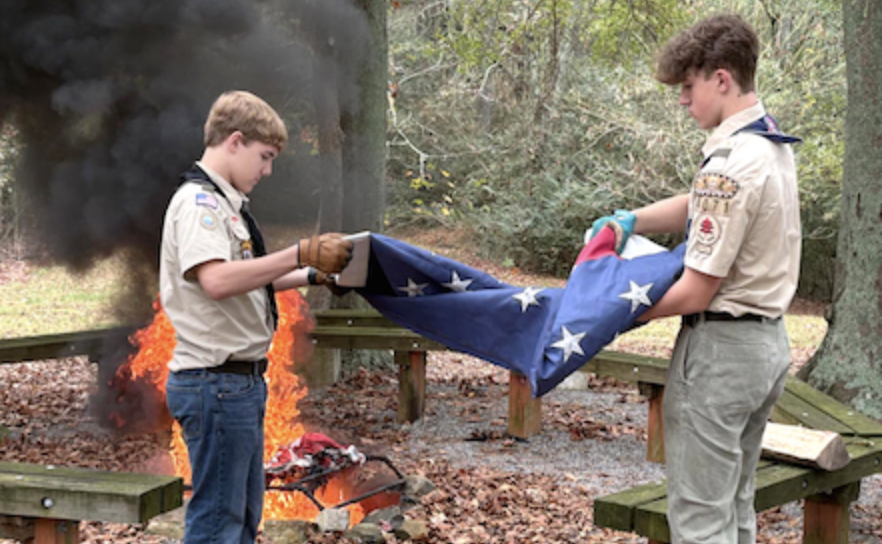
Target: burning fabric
x=312 y=453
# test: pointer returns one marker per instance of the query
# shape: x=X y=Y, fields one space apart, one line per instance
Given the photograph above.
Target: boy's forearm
x=224 y=279
x=297 y=278
x=692 y=293
x=668 y=215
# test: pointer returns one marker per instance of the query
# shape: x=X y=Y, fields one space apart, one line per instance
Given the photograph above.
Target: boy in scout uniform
x=217 y=286
x=742 y=223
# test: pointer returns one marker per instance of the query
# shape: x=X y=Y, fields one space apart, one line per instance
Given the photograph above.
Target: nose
x=684 y=98
x=267 y=170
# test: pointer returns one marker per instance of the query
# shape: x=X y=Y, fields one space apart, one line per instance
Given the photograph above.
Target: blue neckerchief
x=768 y=128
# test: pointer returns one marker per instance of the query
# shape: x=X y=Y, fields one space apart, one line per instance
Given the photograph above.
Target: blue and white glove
x=622 y=222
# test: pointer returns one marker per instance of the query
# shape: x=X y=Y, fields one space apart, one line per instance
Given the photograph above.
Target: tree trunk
x=364 y=132
x=848 y=364
x=364 y=159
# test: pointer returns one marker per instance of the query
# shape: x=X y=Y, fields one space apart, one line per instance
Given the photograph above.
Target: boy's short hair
x=247 y=113
x=722 y=41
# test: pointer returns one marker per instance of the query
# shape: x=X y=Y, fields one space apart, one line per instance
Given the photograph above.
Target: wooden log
x=808 y=447
x=524 y=412
x=411 y=385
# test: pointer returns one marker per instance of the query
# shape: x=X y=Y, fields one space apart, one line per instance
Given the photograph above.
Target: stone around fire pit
x=289 y=531
x=417 y=486
x=368 y=533
x=333 y=519
x=413 y=530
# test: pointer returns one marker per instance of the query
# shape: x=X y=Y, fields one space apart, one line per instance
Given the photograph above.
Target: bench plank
x=55 y=346
x=628 y=367
x=859 y=424
x=396 y=339
x=344 y=317
x=776 y=484
x=86 y=494
x=793 y=410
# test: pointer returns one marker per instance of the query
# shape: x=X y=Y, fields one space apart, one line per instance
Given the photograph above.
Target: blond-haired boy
x=217 y=285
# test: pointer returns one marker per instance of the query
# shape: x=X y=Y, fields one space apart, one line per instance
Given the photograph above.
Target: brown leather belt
x=240 y=367
x=693 y=319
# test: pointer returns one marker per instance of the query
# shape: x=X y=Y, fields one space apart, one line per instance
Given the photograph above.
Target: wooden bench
x=827 y=495
x=46 y=503
x=368 y=329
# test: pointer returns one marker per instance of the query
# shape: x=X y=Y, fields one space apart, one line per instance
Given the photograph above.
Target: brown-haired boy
x=217 y=285
x=742 y=223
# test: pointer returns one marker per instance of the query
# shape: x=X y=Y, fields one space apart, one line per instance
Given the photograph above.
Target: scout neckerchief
x=767 y=127
x=197 y=175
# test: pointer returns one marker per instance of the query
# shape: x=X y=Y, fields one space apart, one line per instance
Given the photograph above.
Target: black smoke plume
x=108 y=99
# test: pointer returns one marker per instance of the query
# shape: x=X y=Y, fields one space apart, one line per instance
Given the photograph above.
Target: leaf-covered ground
x=490 y=488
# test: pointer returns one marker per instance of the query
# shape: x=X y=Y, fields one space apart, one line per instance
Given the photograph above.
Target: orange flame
x=156 y=345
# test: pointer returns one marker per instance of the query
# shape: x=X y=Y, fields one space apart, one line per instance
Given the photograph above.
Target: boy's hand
x=328 y=252
x=317 y=277
x=622 y=222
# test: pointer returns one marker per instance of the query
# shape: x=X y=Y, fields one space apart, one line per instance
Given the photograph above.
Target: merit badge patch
x=205 y=199
x=707 y=230
x=208 y=220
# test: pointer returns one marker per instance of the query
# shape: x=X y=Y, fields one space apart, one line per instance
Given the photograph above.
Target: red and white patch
x=707 y=230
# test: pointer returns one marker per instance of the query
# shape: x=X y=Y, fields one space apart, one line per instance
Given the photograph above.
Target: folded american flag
x=544 y=333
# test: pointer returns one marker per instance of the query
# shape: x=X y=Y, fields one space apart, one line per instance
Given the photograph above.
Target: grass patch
x=49 y=300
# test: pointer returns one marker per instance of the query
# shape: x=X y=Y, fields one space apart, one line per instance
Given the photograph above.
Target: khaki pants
x=724 y=379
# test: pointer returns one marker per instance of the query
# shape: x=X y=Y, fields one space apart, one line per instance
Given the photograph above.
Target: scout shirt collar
x=235 y=197
x=731 y=125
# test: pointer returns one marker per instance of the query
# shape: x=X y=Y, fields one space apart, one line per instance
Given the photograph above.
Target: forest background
x=523 y=121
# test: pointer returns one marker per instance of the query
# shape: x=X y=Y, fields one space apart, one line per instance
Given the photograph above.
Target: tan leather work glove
x=328 y=252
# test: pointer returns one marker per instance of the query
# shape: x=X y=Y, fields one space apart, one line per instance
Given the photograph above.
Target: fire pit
x=312 y=461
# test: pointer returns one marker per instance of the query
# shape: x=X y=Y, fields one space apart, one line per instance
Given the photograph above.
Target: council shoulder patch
x=208 y=220
x=715 y=186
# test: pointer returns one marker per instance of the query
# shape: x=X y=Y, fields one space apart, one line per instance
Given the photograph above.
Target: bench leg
x=826 y=518
x=655 y=427
x=524 y=412
x=56 y=531
x=411 y=385
x=323 y=368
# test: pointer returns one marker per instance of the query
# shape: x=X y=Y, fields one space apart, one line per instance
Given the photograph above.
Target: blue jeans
x=222 y=419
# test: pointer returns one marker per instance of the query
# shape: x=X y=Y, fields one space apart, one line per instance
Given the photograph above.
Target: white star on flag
x=569 y=343
x=456 y=284
x=527 y=298
x=413 y=289
x=638 y=295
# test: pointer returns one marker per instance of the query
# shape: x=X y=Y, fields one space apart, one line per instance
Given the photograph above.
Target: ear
x=234 y=140
x=725 y=81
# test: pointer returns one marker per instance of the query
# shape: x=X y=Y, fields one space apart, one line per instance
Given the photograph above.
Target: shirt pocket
x=241 y=245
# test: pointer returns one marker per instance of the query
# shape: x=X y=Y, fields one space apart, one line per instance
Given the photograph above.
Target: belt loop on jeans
x=231 y=366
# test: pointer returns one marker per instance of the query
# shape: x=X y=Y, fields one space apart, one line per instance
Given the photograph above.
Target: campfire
x=306 y=472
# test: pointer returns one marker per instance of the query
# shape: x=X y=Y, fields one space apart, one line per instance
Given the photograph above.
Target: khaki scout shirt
x=744 y=219
x=200 y=226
